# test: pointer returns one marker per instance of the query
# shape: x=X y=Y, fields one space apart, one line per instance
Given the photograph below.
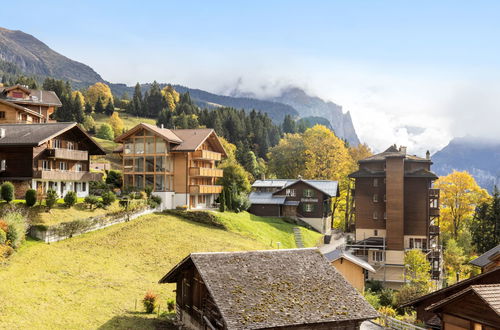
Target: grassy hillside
x=267 y=230
x=93 y=280
x=129 y=121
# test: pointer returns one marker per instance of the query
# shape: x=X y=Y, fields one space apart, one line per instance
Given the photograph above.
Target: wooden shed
x=273 y=289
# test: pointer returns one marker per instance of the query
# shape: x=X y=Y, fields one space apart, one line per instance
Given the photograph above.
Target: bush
x=17 y=226
x=106 y=132
x=170 y=305
x=90 y=201
x=51 y=198
x=372 y=298
x=181 y=207
x=114 y=179
x=5 y=252
x=70 y=198
x=240 y=203
x=7 y=191
x=154 y=201
x=198 y=216
x=108 y=198
x=150 y=301
x=3 y=237
x=30 y=197
x=374 y=285
x=97 y=188
x=148 y=190
x=387 y=297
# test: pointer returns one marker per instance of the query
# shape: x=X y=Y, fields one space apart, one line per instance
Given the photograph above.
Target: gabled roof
x=272 y=183
x=258 y=197
x=341 y=253
x=21 y=108
x=391 y=152
x=276 y=288
x=365 y=173
x=421 y=173
x=489 y=293
x=37 y=134
x=327 y=187
x=492 y=274
x=39 y=97
x=484 y=259
x=163 y=132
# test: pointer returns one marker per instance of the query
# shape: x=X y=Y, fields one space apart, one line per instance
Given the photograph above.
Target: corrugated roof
x=273 y=183
x=326 y=186
x=265 y=198
x=484 y=258
x=36 y=134
x=276 y=288
x=341 y=253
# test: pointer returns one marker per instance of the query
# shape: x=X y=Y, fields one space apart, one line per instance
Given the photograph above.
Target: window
x=63 y=166
x=128 y=180
x=290 y=192
x=128 y=147
x=45 y=165
x=160 y=183
x=150 y=181
x=161 y=146
x=375 y=182
x=375 y=198
x=150 y=164
x=418 y=243
x=378 y=256
x=79 y=167
x=128 y=164
x=375 y=215
x=139 y=145
x=3 y=165
x=2 y=114
x=56 y=144
x=309 y=193
x=375 y=232
x=139 y=164
x=139 y=182
x=150 y=145
x=84 y=186
x=71 y=146
x=308 y=207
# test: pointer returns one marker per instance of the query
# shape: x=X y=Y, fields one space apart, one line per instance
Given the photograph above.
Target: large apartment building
x=19 y=104
x=47 y=156
x=179 y=164
x=396 y=209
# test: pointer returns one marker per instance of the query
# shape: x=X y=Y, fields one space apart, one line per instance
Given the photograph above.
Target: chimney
x=402 y=149
x=428 y=155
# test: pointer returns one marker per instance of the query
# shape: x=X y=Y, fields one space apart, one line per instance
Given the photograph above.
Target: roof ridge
x=253 y=251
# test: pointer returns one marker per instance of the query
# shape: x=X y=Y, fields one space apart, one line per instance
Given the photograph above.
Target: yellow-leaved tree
x=287 y=159
x=171 y=96
x=459 y=196
x=116 y=123
x=78 y=96
x=99 y=90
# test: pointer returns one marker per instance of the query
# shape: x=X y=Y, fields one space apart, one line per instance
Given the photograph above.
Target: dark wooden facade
x=313 y=203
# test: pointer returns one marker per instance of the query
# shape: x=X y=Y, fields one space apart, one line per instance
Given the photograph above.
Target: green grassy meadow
x=93 y=281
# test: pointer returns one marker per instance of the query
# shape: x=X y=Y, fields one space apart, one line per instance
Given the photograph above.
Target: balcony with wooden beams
x=204 y=189
x=207 y=155
x=433 y=230
x=81 y=155
x=57 y=175
x=205 y=172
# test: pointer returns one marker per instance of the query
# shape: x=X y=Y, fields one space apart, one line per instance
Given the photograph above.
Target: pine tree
x=99 y=107
x=88 y=108
x=77 y=109
x=289 y=125
x=110 y=109
x=136 y=103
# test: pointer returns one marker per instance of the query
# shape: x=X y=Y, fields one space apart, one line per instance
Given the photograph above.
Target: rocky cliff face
x=308 y=106
x=479 y=157
x=34 y=57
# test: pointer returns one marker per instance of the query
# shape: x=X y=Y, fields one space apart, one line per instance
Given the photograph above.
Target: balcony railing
x=207 y=155
x=68 y=154
x=433 y=192
x=434 y=212
x=434 y=255
x=67 y=175
x=206 y=172
x=433 y=230
x=204 y=189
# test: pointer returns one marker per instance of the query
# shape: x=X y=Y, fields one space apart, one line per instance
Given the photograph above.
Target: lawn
x=94 y=280
x=267 y=230
x=129 y=121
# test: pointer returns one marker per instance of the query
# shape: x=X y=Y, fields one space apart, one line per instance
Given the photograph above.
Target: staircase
x=298 y=237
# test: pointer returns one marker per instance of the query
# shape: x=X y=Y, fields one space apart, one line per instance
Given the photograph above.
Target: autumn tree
x=172 y=97
x=288 y=158
x=116 y=124
x=359 y=152
x=454 y=259
x=99 y=90
x=459 y=197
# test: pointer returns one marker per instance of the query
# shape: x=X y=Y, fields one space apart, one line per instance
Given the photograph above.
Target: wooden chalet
x=488 y=260
x=476 y=307
x=273 y=289
x=355 y=270
x=431 y=317
x=179 y=164
x=19 y=104
x=307 y=200
x=47 y=156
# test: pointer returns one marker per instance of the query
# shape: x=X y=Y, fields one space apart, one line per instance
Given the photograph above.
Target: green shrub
x=374 y=285
x=170 y=305
x=240 y=203
x=148 y=190
x=7 y=191
x=150 y=301
x=106 y=132
x=198 y=216
x=114 y=179
x=16 y=231
x=90 y=201
x=30 y=197
x=372 y=298
x=3 y=237
x=154 y=201
x=70 y=198
x=387 y=297
x=51 y=198
x=99 y=205
x=108 y=198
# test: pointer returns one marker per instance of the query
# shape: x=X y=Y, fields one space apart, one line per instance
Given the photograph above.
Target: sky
x=414 y=73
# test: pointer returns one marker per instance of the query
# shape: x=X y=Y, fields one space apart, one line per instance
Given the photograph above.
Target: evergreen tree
x=154 y=101
x=77 y=109
x=135 y=106
x=88 y=108
x=110 y=109
x=485 y=227
x=99 y=107
x=289 y=125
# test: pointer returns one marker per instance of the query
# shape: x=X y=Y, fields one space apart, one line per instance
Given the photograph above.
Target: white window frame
x=375 y=215
x=70 y=146
x=375 y=198
x=45 y=165
x=290 y=192
x=56 y=144
x=63 y=166
x=375 y=182
x=378 y=256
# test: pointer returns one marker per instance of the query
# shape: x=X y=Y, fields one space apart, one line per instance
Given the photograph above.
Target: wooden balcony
x=204 y=189
x=207 y=155
x=205 y=172
x=434 y=212
x=435 y=274
x=434 y=193
x=434 y=255
x=68 y=154
x=67 y=175
x=433 y=230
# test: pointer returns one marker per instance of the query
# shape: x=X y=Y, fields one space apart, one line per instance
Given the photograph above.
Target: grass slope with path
x=93 y=280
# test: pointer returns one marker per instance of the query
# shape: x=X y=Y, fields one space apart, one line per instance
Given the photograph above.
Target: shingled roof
x=484 y=258
x=37 y=97
x=489 y=293
x=276 y=288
